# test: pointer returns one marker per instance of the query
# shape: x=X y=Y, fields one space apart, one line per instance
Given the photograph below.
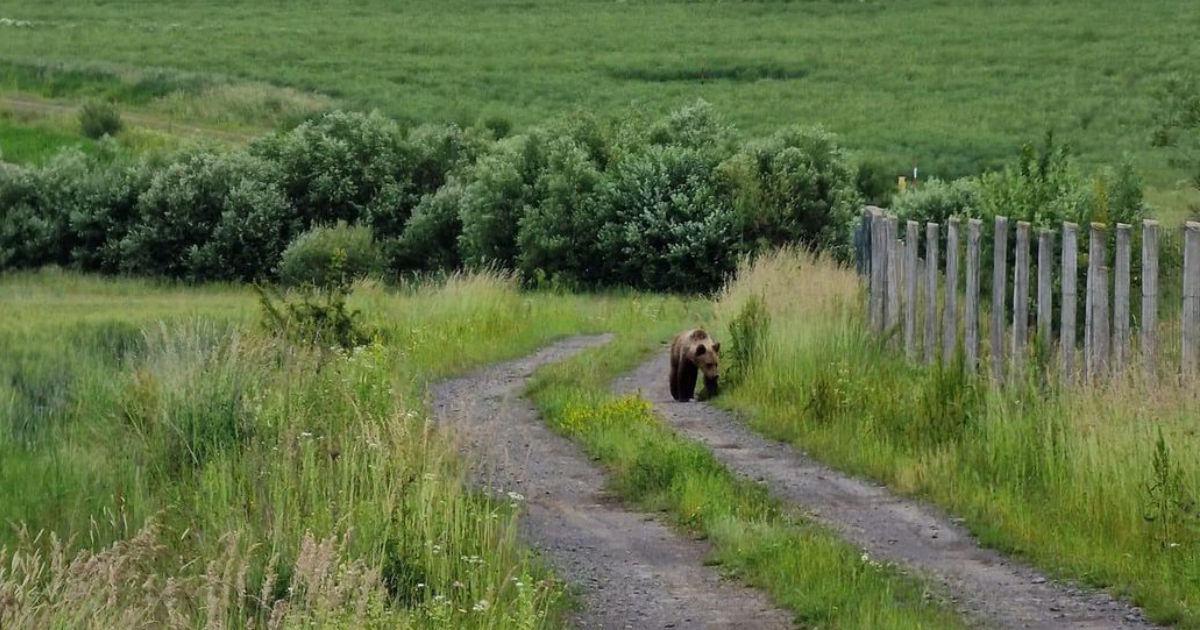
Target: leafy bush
x=663 y=204
x=430 y=239
x=329 y=257
x=103 y=209
x=98 y=119
x=557 y=236
x=874 y=182
x=495 y=195
x=428 y=156
x=936 y=201
x=315 y=319
x=694 y=127
x=335 y=167
x=201 y=210
x=667 y=227
x=27 y=235
x=794 y=187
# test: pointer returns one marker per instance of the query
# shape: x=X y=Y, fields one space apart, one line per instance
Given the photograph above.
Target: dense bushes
x=794 y=187
x=333 y=256
x=1044 y=187
x=658 y=204
x=669 y=226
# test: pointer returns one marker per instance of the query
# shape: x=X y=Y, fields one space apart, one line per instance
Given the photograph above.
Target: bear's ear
x=700 y=350
x=717 y=347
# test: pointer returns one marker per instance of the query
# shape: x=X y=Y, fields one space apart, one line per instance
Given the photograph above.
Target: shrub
x=330 y=257
x=874 y=182
x=334 y=167
x=794 y=187
x=694 y=127
x=430 y=239
x=249 y=238
x=496 y=191
x=667 y=227
x=428 y=156
x=185 y=204
x=315 y=320
x=26 y=236
x=98 y=119
x=1044 y=188
x=936 y=201
x=103 y=210
x=557 y=236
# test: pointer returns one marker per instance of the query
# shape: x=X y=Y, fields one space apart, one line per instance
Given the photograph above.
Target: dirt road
x=989 y=588
x=631 y=571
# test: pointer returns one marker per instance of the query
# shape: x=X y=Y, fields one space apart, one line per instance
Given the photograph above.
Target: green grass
x=24 y=144
x=954 y=86
x=824 y=581
x=1096 y=484
x=203 y=467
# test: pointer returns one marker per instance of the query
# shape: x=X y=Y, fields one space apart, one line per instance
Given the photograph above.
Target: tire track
x=987 y=587
x=632 y=572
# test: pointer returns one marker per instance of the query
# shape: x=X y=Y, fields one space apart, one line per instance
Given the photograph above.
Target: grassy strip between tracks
x=823 y=580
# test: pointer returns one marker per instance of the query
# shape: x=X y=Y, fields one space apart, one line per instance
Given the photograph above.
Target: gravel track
x=990 y=589
x=629 y=570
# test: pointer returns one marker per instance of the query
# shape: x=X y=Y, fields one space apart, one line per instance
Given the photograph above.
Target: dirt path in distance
x=629 y=570
x=987 y=587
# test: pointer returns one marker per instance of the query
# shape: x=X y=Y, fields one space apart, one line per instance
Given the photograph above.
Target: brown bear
x=691 y=352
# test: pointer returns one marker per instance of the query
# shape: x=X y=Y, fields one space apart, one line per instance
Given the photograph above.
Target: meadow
x=166 y=462
x=165 y=458
x=954 y=87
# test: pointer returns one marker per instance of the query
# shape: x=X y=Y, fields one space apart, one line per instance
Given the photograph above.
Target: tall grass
x=169 y=464
x=1097 y=484
x=824 y=581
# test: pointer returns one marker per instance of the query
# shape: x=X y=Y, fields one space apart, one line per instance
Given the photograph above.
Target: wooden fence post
x=878 y=261
x=1120 y=330
x=1102 y=329
x=893 y=275
x=1045 y=286
x=1191 y=297
x=1069 y=299
x=1149 y=295
x=1020 y=322
x=950 y=326
x=910 y=289
x=931 y=291
x=862 y=243
x=1095 y=261
x=1095 y=343
x=971 y=318
x=999 y=296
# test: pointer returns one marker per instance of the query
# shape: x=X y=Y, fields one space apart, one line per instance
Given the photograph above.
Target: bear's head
x=707 y=359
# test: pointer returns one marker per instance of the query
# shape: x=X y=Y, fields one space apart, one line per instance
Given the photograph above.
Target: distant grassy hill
x=953 y=85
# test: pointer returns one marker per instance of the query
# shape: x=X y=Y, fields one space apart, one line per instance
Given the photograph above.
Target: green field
x=23 y=144
x=954 y=86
